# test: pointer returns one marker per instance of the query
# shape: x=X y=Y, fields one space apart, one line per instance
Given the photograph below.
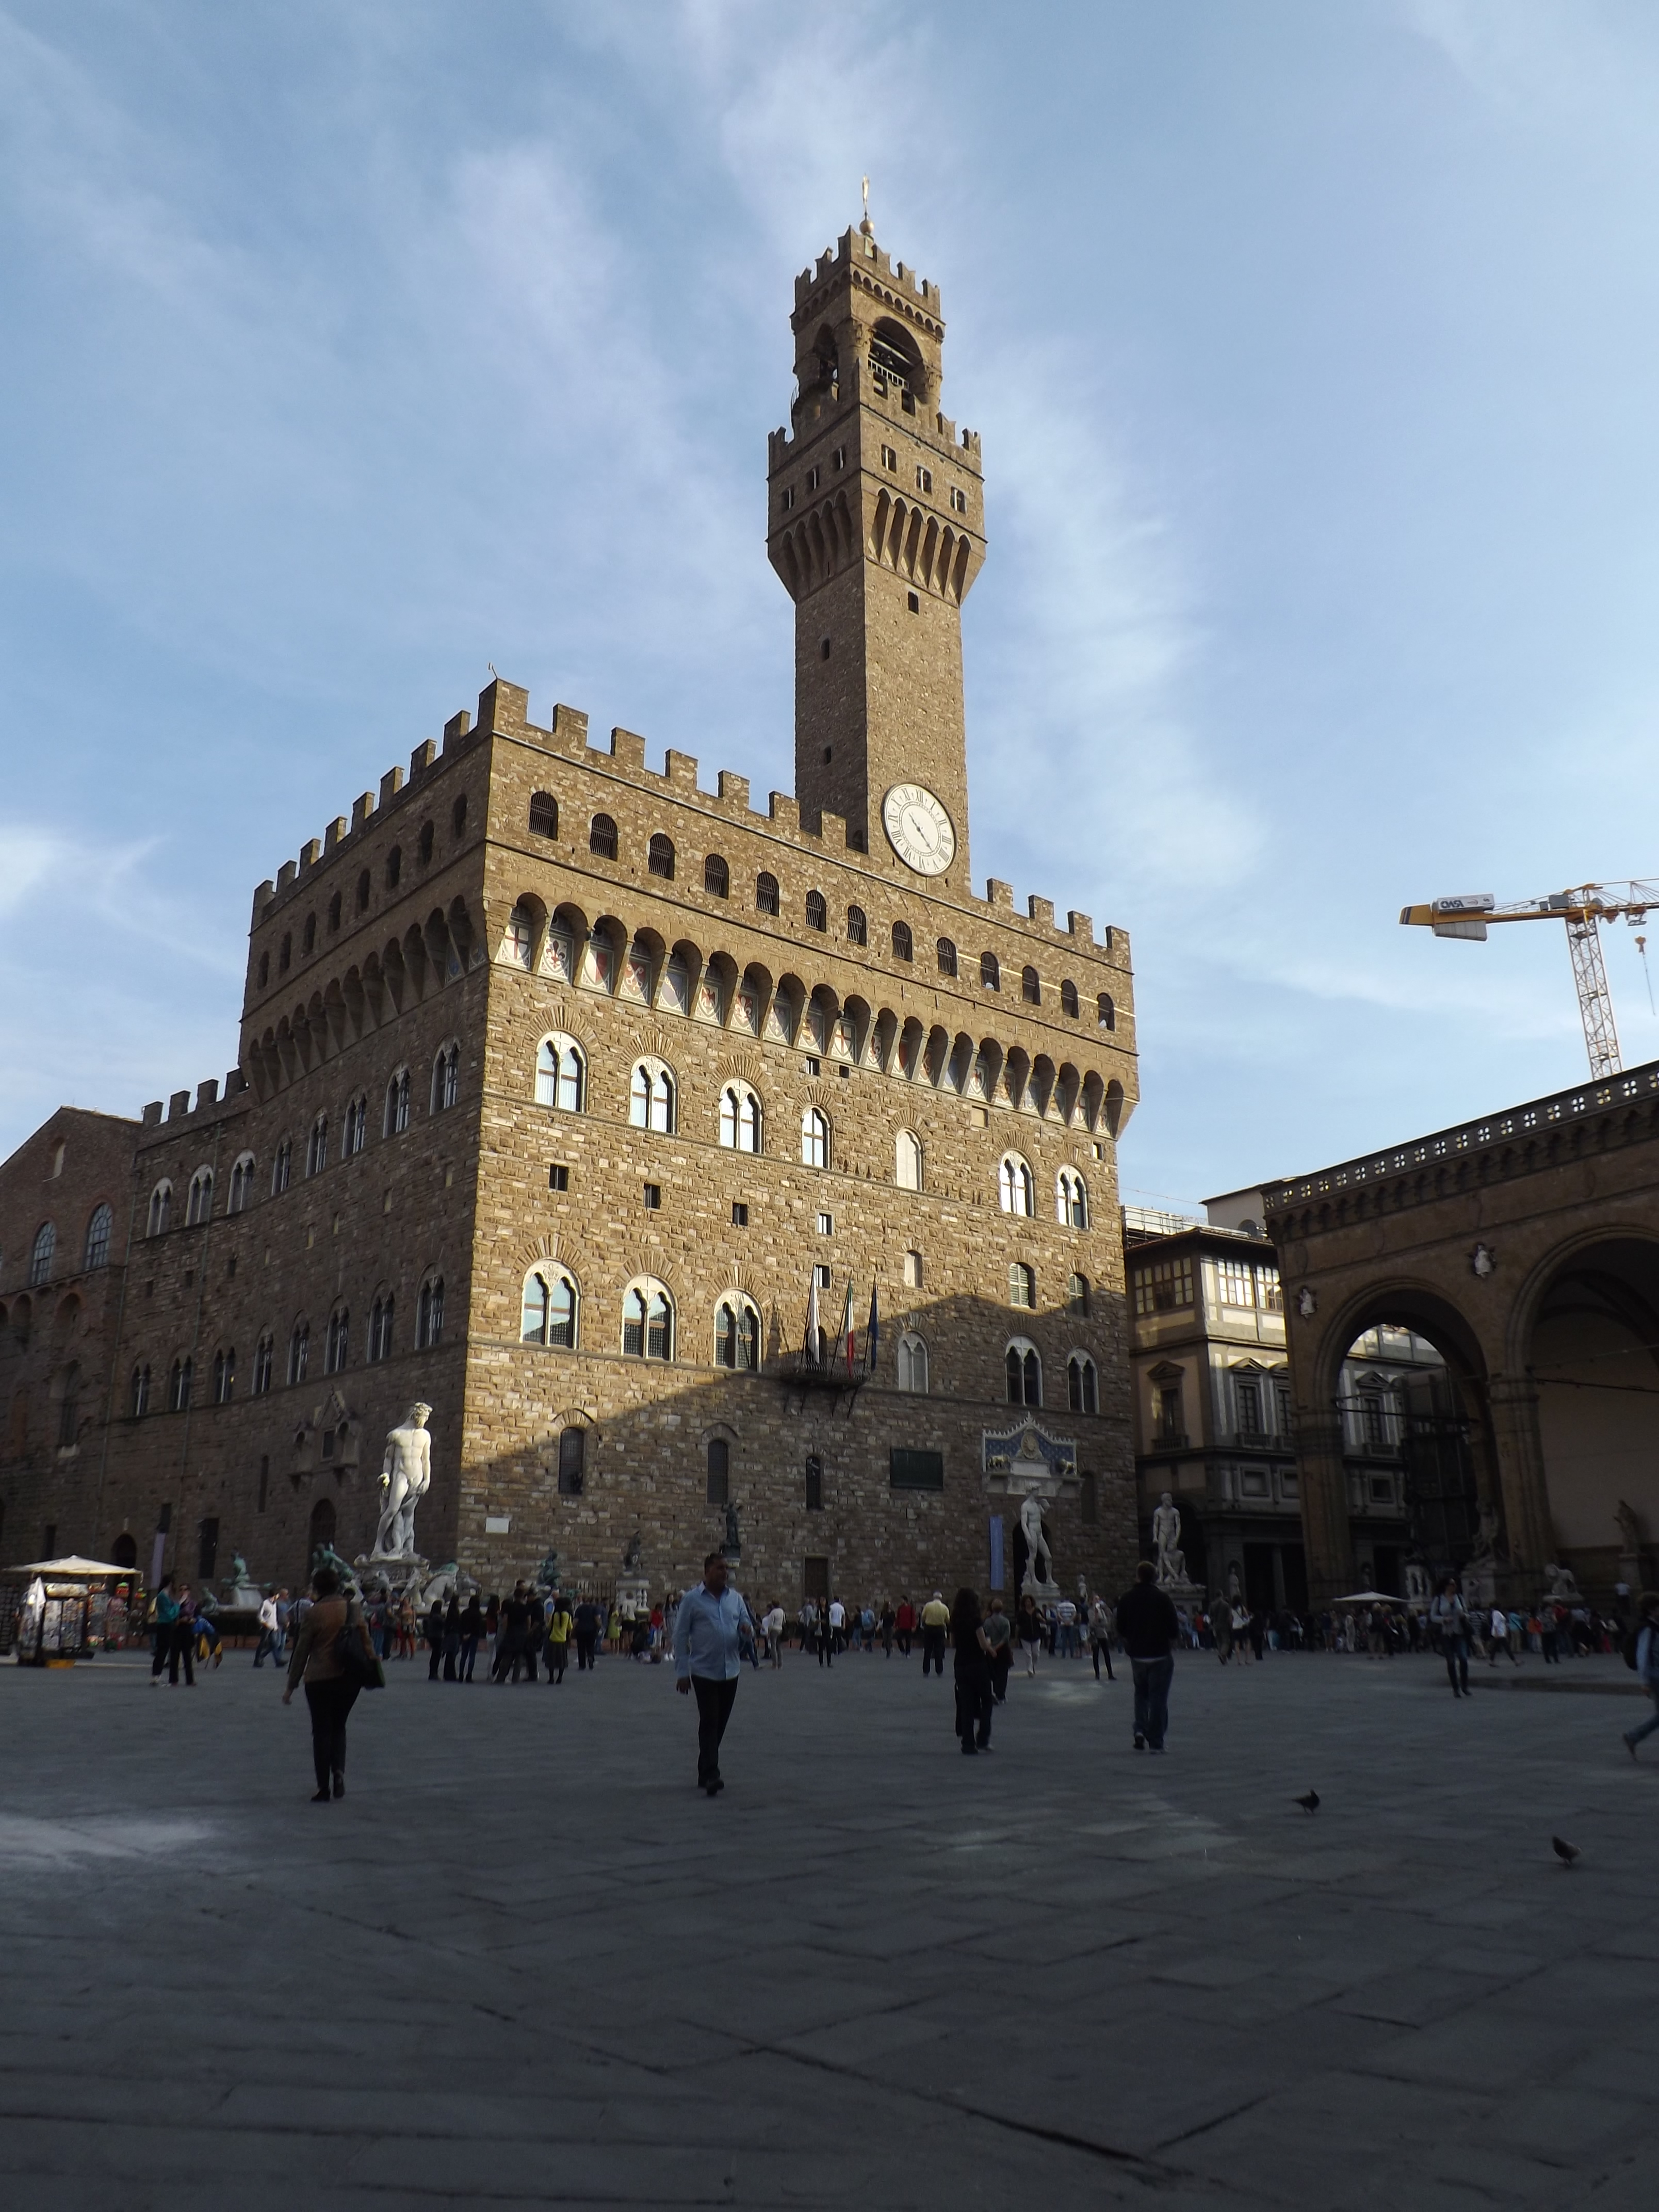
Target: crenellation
x=152 y=1114
x=734 y=791
x=207 y=1093
x=628 y=748
x=362 y=808
x=999 y=895
x=178 y=1105
x=422 y=758
x=457 y=727
x=1041 y=911
x=286 y=874
x=391 y=784
x=680 y=771
x=783 y=812
x=335 y=830
x=309 y=854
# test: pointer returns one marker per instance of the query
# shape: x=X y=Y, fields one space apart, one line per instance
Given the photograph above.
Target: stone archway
x=1586 y=1331
x=1453 y=1444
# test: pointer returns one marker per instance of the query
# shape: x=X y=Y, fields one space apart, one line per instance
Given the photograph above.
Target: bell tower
x=875 y=525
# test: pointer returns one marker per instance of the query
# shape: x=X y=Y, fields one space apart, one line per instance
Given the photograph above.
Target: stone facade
x=689 y=976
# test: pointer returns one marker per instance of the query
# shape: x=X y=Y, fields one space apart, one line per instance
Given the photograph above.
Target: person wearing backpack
x=164 y=1622
x=332 y=1675
x=1641 y=1652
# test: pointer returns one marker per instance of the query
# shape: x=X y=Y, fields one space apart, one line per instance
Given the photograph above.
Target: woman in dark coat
x=472 y=1629
x=434 y=1637
x=973 y=1671
x=451 y=1637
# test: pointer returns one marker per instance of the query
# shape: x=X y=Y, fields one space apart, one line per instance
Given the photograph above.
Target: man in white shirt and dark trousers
x=706 y=1659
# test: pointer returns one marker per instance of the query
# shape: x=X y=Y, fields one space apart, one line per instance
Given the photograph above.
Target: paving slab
x=526 y=1962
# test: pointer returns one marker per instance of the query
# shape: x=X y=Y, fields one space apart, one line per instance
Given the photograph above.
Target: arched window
x=158 y=1222
x=740 y=1119
x=647 y=1322
x=309 y=943
x=1082 y=1388
x=396 y=1104
x=284 y=953
x=907 y=1169
x=355 y=1134
x=858 y=929
x=363 y=888
x=737 y=1331
x=1016 y=1190
x=299 y=1351
x=602 y=837
x=428 y=838
x=814 y=1139
x=380 y=1315
x=446 y=1079
x=520 y=936
x=1025 y=1373
x=1076 y=1294
x=323 y=1527
x=651 y=1096
x=198 y=1202
x=903 y=948
x=429 y=1314
x=281 y=1166
x=1071 y=1199
x=990 y=975
x=183 y=1382
x=659 y=857
x=1022 y=1284
x=716 y=877
x=337 y=1348
x=544 y=814
x=68 y=1408
x=317 y=1147
x=394 y=868
x=265 y=969
x=913 y=1364
x=1030 y=990
x=98 y=1234
x=458 y=816
x=1106 y=1011
x=766 y=893
x=572 y=1462
x=263 y=1357
x=1068 y=1001
x=141 y=1389
x=561 y=1073
x=548 y=1312
x=947 y=957
x=241 y=1183
x=224 y=1375
x=718 y=1460
x=818 y=910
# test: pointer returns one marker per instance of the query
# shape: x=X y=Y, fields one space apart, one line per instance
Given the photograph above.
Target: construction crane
x=1583 y=911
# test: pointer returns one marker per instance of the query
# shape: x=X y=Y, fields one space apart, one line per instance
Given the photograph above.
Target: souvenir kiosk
x=54 y=1612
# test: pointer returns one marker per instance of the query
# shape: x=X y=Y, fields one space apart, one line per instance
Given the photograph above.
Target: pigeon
x=1565 y=1851
x=1310 y=1802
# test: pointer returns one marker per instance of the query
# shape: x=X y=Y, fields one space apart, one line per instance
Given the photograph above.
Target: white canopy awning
x=73 y=1569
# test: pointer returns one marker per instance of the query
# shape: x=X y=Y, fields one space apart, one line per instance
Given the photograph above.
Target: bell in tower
x=876 y=526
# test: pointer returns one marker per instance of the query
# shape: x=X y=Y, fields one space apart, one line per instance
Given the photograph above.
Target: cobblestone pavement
x=525 y=1962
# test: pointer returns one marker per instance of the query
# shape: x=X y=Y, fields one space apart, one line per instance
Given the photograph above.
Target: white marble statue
x=1039 y=1559
x=1167 y=1554
x=405 y=1477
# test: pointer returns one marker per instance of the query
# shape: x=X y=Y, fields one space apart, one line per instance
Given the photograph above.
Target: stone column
x=1324 y=1484
x=1513 y=1400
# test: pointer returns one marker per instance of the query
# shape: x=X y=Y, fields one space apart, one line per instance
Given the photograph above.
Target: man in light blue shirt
x=706 y=1659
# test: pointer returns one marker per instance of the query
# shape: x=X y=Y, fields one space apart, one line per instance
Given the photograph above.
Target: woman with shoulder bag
x=334 y=1658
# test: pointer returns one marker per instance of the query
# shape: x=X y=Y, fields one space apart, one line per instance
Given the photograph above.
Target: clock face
x=919 y=829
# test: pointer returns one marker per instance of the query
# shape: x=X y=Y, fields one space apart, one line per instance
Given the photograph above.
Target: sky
x=353 y=346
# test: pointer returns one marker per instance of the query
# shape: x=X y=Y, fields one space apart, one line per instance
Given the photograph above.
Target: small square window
x=913 y=1271
x=822 y=1272
x=924 y=479
x=652 y=1197
x=558 y=1176
x=889 y=458
x=958 y=499
x=740 y=1214
x=813 y=1066
x=846 y=1075
x=912 y=602
x=826 y=1225
x=838 y=459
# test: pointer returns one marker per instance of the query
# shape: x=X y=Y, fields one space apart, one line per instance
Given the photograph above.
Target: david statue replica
x=405 y=1477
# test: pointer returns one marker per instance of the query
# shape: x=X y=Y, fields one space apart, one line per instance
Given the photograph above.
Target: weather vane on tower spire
x=864 y=226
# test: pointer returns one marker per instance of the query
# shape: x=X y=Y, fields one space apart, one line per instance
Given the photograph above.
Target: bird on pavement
x=1565 y=1851
x=1310 y=1802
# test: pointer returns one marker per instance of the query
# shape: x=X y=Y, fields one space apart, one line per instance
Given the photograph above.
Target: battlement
x=782 y=443
x=504 y=712
x=856 y=249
